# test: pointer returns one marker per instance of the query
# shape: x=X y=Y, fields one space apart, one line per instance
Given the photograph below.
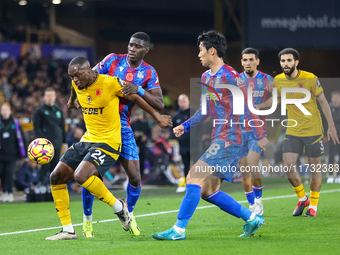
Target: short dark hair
x=213 y=39
x=80 y=60
x=48 y=89
x=292 y=51
x=251 y=51
x=142 y=36
x=335 y=92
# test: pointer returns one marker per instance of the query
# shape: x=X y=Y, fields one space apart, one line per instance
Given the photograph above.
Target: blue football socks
x=229 y=205
x=258 y=192
x=87 y=201
x=132 y=196
x=250 y=197
x=188 y=206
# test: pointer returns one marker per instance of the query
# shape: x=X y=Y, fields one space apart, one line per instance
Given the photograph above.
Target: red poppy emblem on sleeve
x=129 y=76
x=300 y=85
x=98 y=92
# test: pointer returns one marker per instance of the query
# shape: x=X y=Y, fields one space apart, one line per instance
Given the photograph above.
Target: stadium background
x=55 y=33
x=174 y=25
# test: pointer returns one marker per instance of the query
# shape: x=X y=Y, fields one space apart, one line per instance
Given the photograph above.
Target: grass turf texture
x=211 y=231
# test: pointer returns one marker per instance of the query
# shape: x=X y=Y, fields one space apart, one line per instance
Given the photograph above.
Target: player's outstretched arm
x=154 y=97
x=331 y=132
x=72 y=101
x=163 y=121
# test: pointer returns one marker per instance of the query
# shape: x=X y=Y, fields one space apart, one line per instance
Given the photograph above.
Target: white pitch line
x=157 y=213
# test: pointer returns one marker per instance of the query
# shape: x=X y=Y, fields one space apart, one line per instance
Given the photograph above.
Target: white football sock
x=179 y=230
x=118 y=206
x=303 y=199
x=252 y=216
x=68 y=228
x=87 y=218
x=315 y=208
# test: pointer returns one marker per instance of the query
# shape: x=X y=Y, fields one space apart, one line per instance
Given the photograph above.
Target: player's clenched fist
x=179 y=130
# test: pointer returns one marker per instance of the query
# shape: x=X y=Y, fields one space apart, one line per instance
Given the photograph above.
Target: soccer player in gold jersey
x=303 y=131
x=99 y=148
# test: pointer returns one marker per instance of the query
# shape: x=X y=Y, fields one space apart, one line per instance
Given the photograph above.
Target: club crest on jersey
x=129 y=77
x=89 y=99
x=140 y=75
x=98 y=92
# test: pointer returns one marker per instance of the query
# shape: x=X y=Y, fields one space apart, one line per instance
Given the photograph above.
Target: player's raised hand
x=331 y=133
x=269 y=86
x=263 y=143
x=178 y=131
x=164 y=121
x=73 y=104
x=129 y=88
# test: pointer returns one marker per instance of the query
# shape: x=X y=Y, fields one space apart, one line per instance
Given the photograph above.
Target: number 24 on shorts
x=97 y=156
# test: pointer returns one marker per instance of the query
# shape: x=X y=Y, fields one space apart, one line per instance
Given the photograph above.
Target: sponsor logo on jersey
x=89 y=99
x=92 y=111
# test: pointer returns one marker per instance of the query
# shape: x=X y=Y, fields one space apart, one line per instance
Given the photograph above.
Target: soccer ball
x=40 y=151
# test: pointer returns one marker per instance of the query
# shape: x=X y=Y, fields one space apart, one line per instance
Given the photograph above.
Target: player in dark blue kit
x=226 y=142
x=250 y=153
x=142 y=79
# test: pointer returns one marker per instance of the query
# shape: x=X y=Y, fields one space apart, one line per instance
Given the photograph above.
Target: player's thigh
x=131 y=168
x=314 y=146
x=61 y=174
x=292 y=144
x=255 y=153
x=101 y=157
x=75 y=154
x=199 y=172
x=244 y=152
x=129 y=149
x=210 y=186
x=292 y=147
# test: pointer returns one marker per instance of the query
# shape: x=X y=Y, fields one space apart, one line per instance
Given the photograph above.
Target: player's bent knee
x=55 y=177
x=61 y=174
x=134 y=179
x=81 y=177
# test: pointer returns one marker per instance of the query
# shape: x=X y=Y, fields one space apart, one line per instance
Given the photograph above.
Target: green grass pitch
x=211 y=231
